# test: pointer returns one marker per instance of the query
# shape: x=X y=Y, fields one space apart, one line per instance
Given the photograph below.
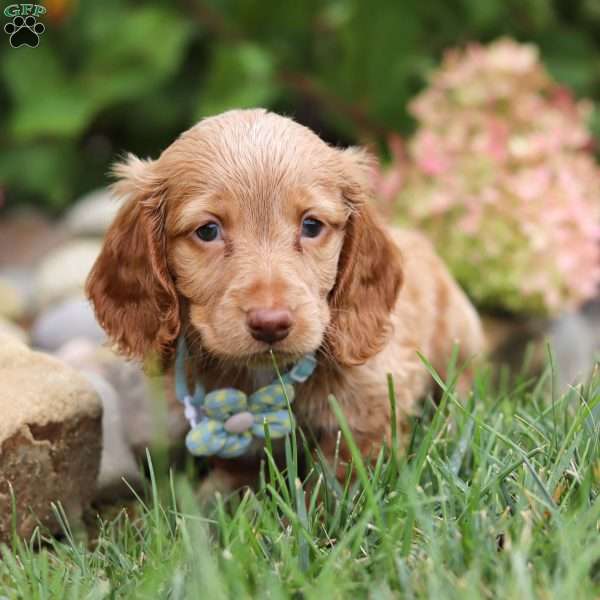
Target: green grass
x=496 y=496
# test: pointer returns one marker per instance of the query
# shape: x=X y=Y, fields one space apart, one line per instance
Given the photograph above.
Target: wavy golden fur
x=364 y=296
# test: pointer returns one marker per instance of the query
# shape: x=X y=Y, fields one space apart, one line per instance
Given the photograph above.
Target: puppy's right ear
x=130 y=286
x=369 y=271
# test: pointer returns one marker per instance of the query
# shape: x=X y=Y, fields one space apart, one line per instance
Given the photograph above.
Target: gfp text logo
x=24 y=29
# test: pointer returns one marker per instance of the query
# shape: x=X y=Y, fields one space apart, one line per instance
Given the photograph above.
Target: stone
x=574 y=338
x=9 y=329
x=26 y=237
x=575 y=342
x=81 y=354
x=139 y=412
x=20 y=280
x=143 y=416
x=50 y=439
x=63 y=272
x=93 y=213
x=118 y=461
x=12 y=304
x=119 y=472
x=149 y=412
x=64 y=321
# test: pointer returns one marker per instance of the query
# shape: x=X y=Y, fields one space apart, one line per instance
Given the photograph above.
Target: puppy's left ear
x=369 y=270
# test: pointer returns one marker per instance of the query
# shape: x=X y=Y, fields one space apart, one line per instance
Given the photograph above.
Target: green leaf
x=52 y=98
x=133 y=52
x=45 y=101
x=40 y=170
x=240 y=76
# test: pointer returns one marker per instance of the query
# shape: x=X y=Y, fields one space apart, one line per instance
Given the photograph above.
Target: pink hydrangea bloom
x=500 y=175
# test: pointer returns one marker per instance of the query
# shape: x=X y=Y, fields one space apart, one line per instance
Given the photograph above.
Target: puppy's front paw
x=226 y=479
x=216 y=482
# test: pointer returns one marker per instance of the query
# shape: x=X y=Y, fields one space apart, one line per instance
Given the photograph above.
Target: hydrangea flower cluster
x=500 y=175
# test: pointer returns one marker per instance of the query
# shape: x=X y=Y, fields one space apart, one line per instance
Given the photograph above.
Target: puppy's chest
x=312 y=400
x=259 y=378
x=247 y=381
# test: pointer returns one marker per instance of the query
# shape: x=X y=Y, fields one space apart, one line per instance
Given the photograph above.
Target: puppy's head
x=249 y=233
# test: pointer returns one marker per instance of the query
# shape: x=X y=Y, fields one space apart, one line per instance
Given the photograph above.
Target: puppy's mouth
x=251 y=354
x=260 y=360
x=267 y=358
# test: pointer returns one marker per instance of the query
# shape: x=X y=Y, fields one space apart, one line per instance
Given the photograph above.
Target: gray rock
x=139 y=411
x=63 y=272
x=8 y=329
x=26 y=237
x=119 y=471
x=12 y=303
x=149 y=414
x=575 y=342
x=73 y=318
x=20 y=280
x=93 y=213
x=118 y=461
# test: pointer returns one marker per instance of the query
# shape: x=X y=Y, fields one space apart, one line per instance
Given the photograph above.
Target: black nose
x=269 y=324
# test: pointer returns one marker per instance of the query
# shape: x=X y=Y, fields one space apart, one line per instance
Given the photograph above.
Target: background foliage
x=119 y=75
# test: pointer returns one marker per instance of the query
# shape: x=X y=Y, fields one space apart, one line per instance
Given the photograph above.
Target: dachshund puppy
x=249 y=234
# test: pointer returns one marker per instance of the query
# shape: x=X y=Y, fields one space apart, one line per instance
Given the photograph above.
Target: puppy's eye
x=209 y=232
x=311 y=228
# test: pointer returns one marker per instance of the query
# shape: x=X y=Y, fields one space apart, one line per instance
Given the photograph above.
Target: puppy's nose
x=269 y=324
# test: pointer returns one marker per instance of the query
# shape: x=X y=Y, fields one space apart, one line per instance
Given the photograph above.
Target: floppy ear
x=130 y=286
x=369 y=272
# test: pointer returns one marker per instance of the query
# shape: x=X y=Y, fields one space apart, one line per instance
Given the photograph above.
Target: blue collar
x=223 y=422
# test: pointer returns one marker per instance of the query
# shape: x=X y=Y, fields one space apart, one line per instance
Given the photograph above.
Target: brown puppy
x=251 y=233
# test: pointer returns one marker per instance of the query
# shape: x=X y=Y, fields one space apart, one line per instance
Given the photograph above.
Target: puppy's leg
x=228 y=475
x=338 y=455
x=457 y=323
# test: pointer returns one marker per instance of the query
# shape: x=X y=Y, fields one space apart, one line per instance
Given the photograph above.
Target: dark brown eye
x=209 y=232
x=311 y=228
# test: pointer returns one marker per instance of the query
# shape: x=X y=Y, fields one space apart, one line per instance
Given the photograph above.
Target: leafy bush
x=121 y=75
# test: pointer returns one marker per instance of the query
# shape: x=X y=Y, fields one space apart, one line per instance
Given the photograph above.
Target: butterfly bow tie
x=224 y=422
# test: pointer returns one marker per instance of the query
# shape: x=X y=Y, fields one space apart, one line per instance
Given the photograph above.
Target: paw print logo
x=24 y=31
